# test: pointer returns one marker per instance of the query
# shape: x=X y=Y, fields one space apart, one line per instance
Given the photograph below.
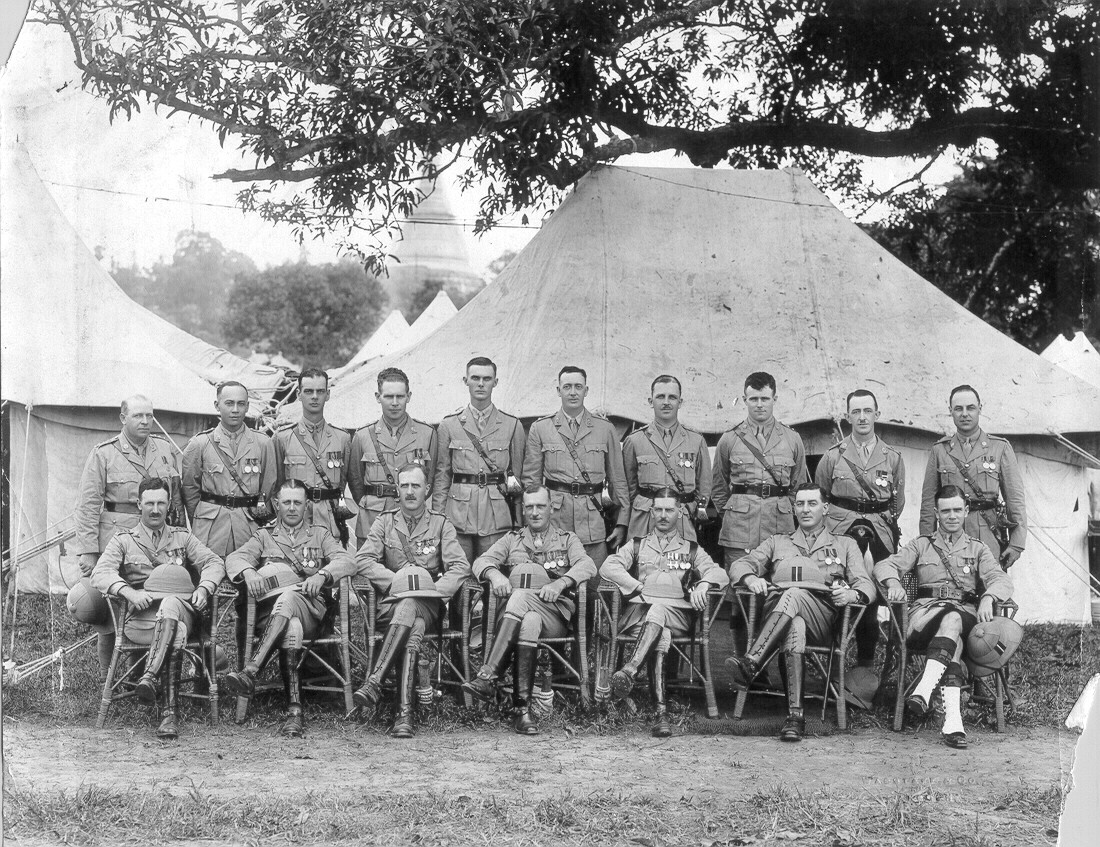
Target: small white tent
x=391 y=336
x=437 y=313
x=1076 y=355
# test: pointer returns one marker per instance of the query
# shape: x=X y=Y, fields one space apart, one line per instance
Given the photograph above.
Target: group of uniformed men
x=809 y=547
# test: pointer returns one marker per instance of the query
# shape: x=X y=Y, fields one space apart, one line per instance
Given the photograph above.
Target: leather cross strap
x=760 y=458
x=860 y=478
x=341 y=523
x=572 y=448
x=296 y=562
x=980 y=495
x=140 y=468
x=229 y=467
x=315 y=459
x=680 y=487
x=946 y=563
x=490 y=464
x=378 y=454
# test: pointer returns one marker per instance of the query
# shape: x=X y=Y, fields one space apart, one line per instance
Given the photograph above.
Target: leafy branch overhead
x=351 y=99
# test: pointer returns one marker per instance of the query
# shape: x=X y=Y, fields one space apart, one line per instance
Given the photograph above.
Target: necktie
x=156 y=539
x=538 y=541
x=574 y=425
x=865 y=452
x=761 y=438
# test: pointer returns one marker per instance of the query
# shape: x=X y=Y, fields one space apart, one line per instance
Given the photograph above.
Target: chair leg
x=999 y=688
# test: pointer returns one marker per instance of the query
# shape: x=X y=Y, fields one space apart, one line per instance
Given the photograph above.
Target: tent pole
x=1073 y=448
x=12 y=600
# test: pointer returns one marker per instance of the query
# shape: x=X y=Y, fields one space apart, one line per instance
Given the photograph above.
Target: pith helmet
x=412 y=581
x=169 y=581
x=278 y=577
x=87 y=604
x=528 y=576
x=990 y=645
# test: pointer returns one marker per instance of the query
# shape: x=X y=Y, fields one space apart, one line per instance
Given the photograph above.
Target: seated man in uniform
x=291 y=568
x=958 y=579
x=411 y=535
x=664 y=577
x=128 y=560
x=544 y=566
x=808 y=576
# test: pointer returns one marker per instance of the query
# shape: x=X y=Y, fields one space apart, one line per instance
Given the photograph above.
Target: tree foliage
x=312 y=314
x=349 y=99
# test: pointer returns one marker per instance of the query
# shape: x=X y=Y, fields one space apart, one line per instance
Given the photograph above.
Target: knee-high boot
x=661 y=727
x=371 y=690
x=243 y=682
x=292 y=727
x=164 y=630
x=169 y=727
x=744 y=668
x=403 y=723
x=523 y=680
x=623 y=679
x=795 y=725
x=483 y=686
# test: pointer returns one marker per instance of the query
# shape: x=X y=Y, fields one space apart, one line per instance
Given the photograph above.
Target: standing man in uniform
x=127 y=569
x=759 y=464
x=576 y=455
x=305 y=560
x=665 y=580
x=666 y=454
x=380 y=448
x=414 y=542
x=479 y=452
x=318 y=454
x=108 y=502
x=984 y=467
x=863 y=480
x=228 y=473
x=807 y=576
x=957 y=582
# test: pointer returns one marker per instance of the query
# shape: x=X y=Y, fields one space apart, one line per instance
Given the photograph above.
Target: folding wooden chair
x=567 y=656
x=126 y=666
x=334 y=634
x=906 y=667
x=451 y=665
x=692 y=651
x=830 y=660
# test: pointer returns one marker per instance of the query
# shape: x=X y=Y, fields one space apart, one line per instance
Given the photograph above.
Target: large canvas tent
x=73 y=346
x=712 y=274
x=1076 y=355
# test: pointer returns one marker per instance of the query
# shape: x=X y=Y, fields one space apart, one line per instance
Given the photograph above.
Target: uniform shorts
x=924 y=619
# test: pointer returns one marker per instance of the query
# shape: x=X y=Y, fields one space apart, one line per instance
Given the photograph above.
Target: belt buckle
x=575 y=489
x=482 y=479
x=314 y=495
x=765 y=490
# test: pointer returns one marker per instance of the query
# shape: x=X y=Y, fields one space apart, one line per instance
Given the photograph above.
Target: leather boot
x=795 y=725
x=243 y=682
x=661 y=726
x=744 y=668
x=292 y=726
x=371 y=691
x=168 y=728
x=622 y=681
x=403 y=723
x=164 y=630
x=523 y=680
x=483 y=686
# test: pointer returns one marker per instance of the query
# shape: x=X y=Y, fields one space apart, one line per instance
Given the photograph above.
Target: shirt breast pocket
x=784 y=466
x=650 y=471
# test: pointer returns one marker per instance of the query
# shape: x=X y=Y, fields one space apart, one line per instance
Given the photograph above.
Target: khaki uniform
x=110 y=481
x=412 y=442
x=332 y=449
x=747 y=518
x=884 y=472
x=991 y=463
x=435 y=548
x=971 y=569
x=130 y=557
x=781 y=560
x=689 y=457
x=561 y=554
x=225 y=528
x=307 y=552
x=476 y=509
x=656 y=554
x=547 y=459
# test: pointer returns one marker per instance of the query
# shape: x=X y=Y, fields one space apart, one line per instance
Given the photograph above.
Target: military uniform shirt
x=223 y=529
x=992 y=465
x=747 y=520
x=560 y=554
x=884 y=472
x=547 y=458
x=781 y=561
x=689 y=457
x=476 y=509
x=332 y=450
x=131 y=555
x=307 y=552
x=413 y=442
x=657 y=554
x=112 y=474
x=433 y=542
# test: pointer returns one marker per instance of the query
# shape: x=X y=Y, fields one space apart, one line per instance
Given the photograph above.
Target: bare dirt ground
x=225 y=760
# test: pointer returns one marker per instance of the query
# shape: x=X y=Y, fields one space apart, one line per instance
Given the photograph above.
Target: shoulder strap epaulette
x=455 y=413
x=286 y=425
x=392 y=511
x=996 y=437
x=945 y=440
x=108 y=442
x=159 y=436
x=207 y=431
x=546 y=417
x=422 y=423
